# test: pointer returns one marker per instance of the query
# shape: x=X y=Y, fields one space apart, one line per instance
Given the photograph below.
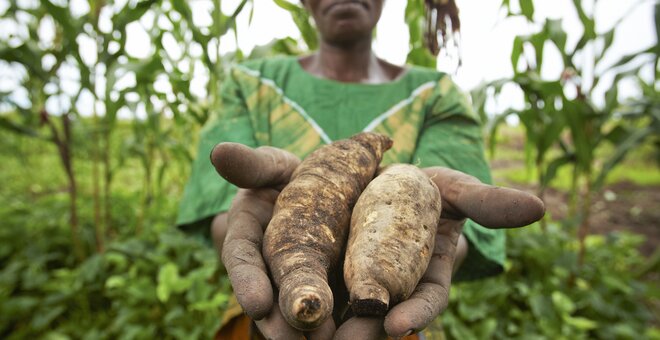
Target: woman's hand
x=241 y=254
x=261 y=173
x=463 y=196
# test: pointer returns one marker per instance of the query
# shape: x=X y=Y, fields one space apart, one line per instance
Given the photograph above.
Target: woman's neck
x=354 y=64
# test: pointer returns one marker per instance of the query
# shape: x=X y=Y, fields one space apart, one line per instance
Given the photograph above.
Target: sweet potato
x=260 y=172
x=305 y=237
x=391 y=238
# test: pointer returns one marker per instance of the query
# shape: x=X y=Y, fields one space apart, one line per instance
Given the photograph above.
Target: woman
x=340 y=90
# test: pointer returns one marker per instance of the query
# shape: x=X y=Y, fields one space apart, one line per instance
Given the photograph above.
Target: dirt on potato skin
x=307 y=232
x=392 y=232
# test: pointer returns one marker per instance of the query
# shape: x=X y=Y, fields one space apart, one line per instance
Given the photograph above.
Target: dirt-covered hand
x=259 y=172
x=463 y=196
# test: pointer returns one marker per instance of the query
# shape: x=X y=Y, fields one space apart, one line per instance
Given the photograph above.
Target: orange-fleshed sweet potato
x=391 y=238
x=305 y=237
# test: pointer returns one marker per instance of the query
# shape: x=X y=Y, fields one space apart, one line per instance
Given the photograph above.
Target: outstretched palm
x=463 y=196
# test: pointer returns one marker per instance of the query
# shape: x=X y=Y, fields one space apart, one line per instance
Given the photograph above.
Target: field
x=151 y=280
x=629 y=201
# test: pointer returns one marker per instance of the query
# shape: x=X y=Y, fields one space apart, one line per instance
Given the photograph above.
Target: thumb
x=246 y=167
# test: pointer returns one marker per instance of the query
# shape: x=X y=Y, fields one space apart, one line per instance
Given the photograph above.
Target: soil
x=620 y=206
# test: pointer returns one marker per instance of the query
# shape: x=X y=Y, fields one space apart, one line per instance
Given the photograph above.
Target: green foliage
x=303 y=21
x=150 y=281
x=415 y=19
x=546 y=294
x=565 y=125
x=91 y=47
x=160 y=284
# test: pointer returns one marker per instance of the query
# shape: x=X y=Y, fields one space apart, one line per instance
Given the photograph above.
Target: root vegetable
x=391 y=238
x=305 y=237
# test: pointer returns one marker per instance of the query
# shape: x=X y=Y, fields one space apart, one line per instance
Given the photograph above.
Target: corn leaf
x=516 y=51
x=527 y=9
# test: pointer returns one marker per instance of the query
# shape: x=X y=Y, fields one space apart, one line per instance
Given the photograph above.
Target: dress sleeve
x=206 y=193
x=451 y=136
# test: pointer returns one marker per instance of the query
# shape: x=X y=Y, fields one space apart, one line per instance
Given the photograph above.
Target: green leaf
x=630 y=143
x=182 y=7
x=223 y=23
x=657 y=29
x=415 y=23
x=286 y=46
x=540 y=305
x=307 y=30
x=302 y=20
x=145 y=71
x=458 y=329
x=608 y=39
x=56 y=336
x=562 y=303
x=8 y=125
x=612 y=97
x=420 y=56
x=115 y=281
x=29 y=55
x=62 y=16
x=486 y=329
x=495 y=123
x=170 y=282
x=557 y=34
x=630 y=57
x=167 y=278
x=549 y=136
x=218 y=300
x=46 y=315
x=618 y=284
x=21 y=305
x=580 y=323
x=653 y=332
x=506 y=4
x=578 y=117
x=553 y=168
x=527 y=9
x=286 y=5
x=588 y=24
x=538 y=41
x=516 y=51
x=131 y=12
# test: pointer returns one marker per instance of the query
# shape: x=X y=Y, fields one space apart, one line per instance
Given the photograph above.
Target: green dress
x=276 y=102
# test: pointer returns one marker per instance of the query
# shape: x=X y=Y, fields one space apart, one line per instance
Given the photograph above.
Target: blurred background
x=101 y=102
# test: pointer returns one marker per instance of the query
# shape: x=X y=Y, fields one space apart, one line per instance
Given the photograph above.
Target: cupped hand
x=260 y=173
x=463 y=196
